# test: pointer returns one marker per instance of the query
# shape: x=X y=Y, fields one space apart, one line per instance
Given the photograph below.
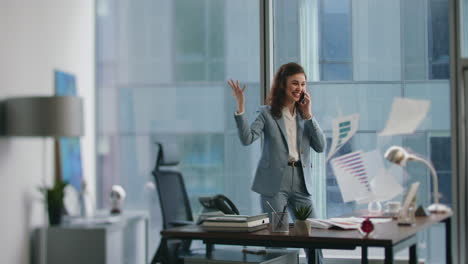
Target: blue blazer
x=275 y=153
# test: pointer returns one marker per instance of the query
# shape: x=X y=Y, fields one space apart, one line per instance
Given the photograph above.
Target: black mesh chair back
x=174 y=202
x=173 y=197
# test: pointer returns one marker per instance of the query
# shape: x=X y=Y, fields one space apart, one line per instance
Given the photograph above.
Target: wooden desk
x=389 y=236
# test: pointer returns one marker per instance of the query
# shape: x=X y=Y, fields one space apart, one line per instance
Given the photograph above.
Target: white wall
x=37 y=37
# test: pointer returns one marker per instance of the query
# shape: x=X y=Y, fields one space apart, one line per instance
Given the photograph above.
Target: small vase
x=302 y=227
x=55 y=214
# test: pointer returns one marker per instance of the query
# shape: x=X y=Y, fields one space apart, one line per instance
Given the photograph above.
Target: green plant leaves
x=55 y=195
x=303 y=212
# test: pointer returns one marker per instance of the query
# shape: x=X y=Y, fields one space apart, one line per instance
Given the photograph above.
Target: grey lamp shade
x=53 y=116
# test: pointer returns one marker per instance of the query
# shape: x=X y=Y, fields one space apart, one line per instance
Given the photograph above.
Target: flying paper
x=351 y=175
x=362 y=177
x=384 y=185
x=405 y=116
x=343 y=129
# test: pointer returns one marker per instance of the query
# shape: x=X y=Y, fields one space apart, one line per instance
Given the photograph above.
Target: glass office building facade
x=162 y=68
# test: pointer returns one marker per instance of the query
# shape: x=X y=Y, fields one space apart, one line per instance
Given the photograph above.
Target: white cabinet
x=100 y=240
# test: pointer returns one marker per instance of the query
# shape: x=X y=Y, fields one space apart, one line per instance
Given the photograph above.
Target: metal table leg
x=413 y=254
x=448 y=240
x=388 y=255
x=364 y=255
x=312 y=256
x=209 y=249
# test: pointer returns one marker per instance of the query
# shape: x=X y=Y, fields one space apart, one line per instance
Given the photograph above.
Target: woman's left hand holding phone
x=238 y=94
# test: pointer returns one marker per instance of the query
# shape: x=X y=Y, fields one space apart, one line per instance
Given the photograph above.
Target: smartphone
x=302 y=99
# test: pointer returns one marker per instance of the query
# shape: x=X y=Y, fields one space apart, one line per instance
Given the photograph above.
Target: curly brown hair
x=277 y=95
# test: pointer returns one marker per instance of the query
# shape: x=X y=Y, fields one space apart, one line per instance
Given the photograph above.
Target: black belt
x=297 y=163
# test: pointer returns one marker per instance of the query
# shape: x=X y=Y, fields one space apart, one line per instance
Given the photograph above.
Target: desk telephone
x=218 y=203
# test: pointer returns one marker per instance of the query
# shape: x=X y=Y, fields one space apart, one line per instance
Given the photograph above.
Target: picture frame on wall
x=69 y=148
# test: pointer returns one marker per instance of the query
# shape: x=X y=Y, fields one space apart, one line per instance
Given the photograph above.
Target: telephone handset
x=219 y=203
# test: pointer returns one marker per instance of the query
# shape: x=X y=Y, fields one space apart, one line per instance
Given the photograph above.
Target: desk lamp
x=399 y=156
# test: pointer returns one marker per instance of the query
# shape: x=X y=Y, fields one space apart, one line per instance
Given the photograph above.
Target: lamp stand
x=57 y=160
x=43 y=229
x=436 y=207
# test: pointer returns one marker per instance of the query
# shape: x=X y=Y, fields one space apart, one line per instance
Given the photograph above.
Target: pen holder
x=279 y=222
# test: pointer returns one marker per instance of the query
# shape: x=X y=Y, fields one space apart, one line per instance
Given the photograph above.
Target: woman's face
x=295 y=85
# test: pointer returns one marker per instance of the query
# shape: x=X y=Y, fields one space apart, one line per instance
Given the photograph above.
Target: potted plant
x=54 y=201
x=302 y=227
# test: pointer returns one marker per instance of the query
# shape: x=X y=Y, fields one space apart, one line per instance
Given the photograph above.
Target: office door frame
x=459 y=123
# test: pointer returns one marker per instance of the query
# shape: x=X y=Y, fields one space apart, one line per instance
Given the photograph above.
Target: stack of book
x=236 y=223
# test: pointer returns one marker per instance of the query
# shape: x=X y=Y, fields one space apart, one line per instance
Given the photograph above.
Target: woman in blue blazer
x=289 y=130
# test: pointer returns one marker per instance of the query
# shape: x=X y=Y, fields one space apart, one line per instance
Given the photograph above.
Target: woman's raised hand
x=238 y=94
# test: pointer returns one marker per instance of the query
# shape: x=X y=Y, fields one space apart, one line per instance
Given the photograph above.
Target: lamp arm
x=435 y=179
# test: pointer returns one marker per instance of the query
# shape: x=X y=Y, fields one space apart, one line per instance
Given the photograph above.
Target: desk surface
x=385 y=234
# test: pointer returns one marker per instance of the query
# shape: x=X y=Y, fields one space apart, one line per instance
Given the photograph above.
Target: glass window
x=426 y=39
x=438 y=29
x=414 y=17
x=335 y=44
x=464 y=30
x=162 y=72
x=441 y=158
x=199 y=39
x=335 y=205
x=336 y=71
x=375 y=51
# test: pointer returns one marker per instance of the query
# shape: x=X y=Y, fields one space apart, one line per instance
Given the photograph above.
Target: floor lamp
x=400 y=156
x=44 y=116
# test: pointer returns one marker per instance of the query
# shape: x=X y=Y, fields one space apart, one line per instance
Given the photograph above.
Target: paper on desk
x=358 y=220
x=352 y=177
x=405 y=116
x=384 y=185
x=343 y=129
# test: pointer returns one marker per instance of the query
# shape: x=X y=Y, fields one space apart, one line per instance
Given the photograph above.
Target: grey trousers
x=293 y=193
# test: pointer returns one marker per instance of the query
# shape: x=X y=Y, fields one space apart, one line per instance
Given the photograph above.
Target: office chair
x=175 y=205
